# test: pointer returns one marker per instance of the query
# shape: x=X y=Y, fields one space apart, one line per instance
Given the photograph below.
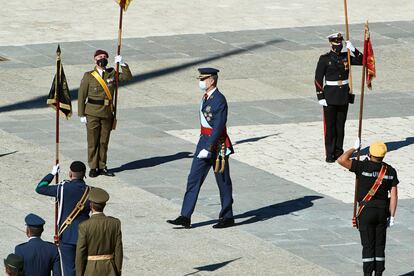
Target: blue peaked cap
x=34 y=221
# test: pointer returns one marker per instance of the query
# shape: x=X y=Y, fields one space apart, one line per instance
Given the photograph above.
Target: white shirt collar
x=211 y=92
x=96 y=213
x=34 y=238
x=99 y=71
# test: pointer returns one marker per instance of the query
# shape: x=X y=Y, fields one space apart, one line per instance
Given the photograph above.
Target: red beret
x=101 y=52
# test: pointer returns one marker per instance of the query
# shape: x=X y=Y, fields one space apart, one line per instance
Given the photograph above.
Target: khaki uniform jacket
x=99 y=235
x=90 y=88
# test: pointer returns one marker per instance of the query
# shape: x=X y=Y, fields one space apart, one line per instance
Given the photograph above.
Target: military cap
x=98 y=195
x=33 y=220
x=378 y=149
x=77 y=166
x=101 y=52
x=207 y=72
x=335 y=37
x=15 y=262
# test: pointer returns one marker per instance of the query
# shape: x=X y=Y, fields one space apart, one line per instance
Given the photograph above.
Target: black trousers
x=334 y=128
x=373 y=229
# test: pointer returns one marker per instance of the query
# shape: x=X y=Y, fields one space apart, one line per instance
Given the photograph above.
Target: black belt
x=92 y=101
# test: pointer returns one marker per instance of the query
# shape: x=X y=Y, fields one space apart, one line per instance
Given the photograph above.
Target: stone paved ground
x=293 y=210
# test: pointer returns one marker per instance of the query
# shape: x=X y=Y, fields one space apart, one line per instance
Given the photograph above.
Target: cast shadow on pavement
x=8 y=153
x=152 y=162
x=392 y=146
x=269 y=212
x=211 y=267
x=40 y=101
x=254 y=139
x=408 y=274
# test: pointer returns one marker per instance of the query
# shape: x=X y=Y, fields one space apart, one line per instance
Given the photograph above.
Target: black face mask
x=103 y=62
x=337 y=48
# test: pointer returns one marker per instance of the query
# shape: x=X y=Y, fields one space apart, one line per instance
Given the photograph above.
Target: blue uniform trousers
x=68 y=252
x=198 y=173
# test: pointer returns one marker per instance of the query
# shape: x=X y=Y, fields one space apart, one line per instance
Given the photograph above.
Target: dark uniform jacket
x=91 y=88
x=367 y=173
x=214 y=110
x=334 y=67
x=72 y=193
x=40 y=257
x=99 y=235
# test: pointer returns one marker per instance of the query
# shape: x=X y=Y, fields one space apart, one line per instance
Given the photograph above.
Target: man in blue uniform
x=213 y=150
x=40 y=257
x=334 y=95
x=73 y=209
x=13 y=265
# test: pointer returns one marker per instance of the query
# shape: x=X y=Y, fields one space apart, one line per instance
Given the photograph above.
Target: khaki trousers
x=98 y=131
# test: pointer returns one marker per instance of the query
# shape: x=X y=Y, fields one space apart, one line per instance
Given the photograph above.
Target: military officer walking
x=73 y=209
x=334 y=95
x=99 y=249
x=13 y=265
x=213 y=150
x=95 y=109
x=376 y=181
x=40 y=257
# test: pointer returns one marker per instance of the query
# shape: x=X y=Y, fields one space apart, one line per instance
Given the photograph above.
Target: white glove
x=323 y=102
x=350 y=46
x=391 y=221
x=204 y=154
x=55 y=169
x=83 y=120
x=118 y=59
x=357 y=145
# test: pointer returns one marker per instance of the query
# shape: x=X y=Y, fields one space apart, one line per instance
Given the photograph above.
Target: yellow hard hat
x=378 y=149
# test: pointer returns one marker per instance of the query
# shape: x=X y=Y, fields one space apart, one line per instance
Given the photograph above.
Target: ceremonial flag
x=369 y=59
x=123 y=3
x=59 y=92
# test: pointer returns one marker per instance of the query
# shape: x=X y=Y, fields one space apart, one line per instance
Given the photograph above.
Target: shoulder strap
x=104 y=86
x=79 y=207
x=373 y=189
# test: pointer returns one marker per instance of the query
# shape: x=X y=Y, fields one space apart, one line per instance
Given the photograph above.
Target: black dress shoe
x=183 y=221
x=330 y=160
x=106 y=172
x=93 y=173
x=224 y=223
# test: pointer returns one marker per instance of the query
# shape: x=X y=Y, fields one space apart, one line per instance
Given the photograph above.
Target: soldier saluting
x=376 y=180
x=334 y=95
x=95 y=109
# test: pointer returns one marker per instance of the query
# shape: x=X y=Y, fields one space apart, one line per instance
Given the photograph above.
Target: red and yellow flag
x=369 y=59
x=123 y=3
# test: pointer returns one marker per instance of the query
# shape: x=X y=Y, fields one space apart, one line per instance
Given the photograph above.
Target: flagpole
x=121 y=5
x=349 y=51
x=57 y=83
x=361 y=110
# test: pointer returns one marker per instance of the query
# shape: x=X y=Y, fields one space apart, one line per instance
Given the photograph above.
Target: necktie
x=205 y=96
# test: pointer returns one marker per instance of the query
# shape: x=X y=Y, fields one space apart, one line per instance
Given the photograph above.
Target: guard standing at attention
x=95 y=109
x=40 y=257
x=99 y=249
x=73 y=209
x=377 y=203
x=334 y=96
x=213 y=150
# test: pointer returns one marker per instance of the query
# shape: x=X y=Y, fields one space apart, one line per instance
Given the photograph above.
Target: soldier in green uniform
x=13 y=265
x=99 y=248
x=95 y=109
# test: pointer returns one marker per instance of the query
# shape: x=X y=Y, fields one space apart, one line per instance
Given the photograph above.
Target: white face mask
x=202 y=85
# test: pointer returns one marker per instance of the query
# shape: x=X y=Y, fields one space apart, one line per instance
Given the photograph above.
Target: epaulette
x=21 y=244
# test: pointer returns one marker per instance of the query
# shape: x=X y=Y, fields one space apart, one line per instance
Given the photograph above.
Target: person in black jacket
x=334 y=94
x=377 y=212
x=69 y=195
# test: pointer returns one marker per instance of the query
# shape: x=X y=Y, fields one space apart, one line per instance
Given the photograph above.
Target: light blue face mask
x=202 y=85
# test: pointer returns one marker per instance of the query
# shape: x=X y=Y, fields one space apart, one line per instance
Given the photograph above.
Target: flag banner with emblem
x=61 y=91
x=369 y=59
x=123 y=3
